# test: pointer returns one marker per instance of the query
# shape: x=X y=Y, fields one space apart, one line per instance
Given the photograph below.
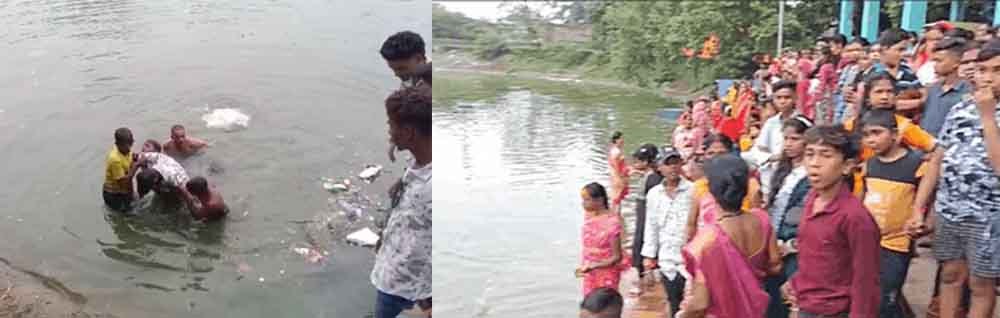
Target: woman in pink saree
x=728 y=258
x=602 y=232
x=683 y=135
x=701 y=122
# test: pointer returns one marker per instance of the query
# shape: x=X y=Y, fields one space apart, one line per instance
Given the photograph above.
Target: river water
x=307 y=72
x=512 y=155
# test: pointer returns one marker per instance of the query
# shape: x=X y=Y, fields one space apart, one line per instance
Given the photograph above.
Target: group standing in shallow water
x=130 y=176
x=401 y=273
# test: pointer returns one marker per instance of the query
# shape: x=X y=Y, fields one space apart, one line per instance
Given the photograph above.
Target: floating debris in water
x=335 y=187
x=370 y=173
x=227 y=119
x=363 y=237
x=281 y=272
x=244 y=268
x=260 y=279
x=355 y=210
x=311 y=254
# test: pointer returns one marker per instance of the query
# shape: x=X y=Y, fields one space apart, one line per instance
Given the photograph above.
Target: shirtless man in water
x=162 y=174
x=212 y=206
x=180 y=145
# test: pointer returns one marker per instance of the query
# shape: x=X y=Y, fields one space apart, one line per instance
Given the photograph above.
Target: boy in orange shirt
x=880 y=93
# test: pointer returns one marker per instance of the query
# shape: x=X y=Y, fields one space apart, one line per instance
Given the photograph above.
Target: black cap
x=668 y=153
x=646 y=152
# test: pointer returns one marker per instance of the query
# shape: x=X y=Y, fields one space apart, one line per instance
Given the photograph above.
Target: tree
x=454 y=25
x=645 y=39
x=575 y=12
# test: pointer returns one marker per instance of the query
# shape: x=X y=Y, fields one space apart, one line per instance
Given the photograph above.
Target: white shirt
x=666 y=221
x=770 y=142
x=172 y=171
x=403 y=263
x=785 y=194
x=926 y=74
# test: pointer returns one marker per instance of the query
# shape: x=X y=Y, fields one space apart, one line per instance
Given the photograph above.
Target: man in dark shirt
x=405 y=54
x=894 y=43
x=838 y=238
x=950 y=88
x=645 y=157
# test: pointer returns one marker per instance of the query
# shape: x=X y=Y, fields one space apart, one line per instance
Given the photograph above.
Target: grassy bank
x=450 y=86
x=563 y=58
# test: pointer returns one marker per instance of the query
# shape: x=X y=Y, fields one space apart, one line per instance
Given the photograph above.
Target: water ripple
x=519 y=160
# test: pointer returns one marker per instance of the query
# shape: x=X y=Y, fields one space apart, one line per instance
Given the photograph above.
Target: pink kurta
x=599 y=233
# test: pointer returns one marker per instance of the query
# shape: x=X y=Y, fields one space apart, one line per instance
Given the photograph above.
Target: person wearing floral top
x=402 y=270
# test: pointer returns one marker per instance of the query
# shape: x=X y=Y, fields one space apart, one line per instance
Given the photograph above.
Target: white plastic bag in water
x=364 y=237
x=228 y=119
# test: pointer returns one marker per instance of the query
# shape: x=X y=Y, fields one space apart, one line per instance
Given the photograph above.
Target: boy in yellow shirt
x=896 y=194
x=117 y=182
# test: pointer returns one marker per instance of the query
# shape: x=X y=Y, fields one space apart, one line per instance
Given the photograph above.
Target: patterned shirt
x=403 y=263
x=968 y=187
x=173 y=173
x=666 y=219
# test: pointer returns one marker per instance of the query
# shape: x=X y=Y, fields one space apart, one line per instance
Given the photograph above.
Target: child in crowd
x=880 y=93
x=837 y=239
x=785 y=199
x=897 y=195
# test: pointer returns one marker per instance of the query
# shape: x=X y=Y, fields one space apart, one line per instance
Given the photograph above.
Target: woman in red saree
x=618 y=169
x=725 y=258
x=733 y=125
x=602 y=232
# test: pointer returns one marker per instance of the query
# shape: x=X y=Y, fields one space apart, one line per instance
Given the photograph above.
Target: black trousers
x=674 y=290
x=121 y=202
x=637 y=237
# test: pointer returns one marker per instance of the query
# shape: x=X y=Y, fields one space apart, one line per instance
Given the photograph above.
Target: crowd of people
x=401 y=273
x=805 y=191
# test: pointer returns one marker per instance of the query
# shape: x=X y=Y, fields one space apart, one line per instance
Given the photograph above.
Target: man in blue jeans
x=402 y=271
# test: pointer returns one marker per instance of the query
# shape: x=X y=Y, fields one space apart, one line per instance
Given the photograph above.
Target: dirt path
x=918 y=288
x=28 y=294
